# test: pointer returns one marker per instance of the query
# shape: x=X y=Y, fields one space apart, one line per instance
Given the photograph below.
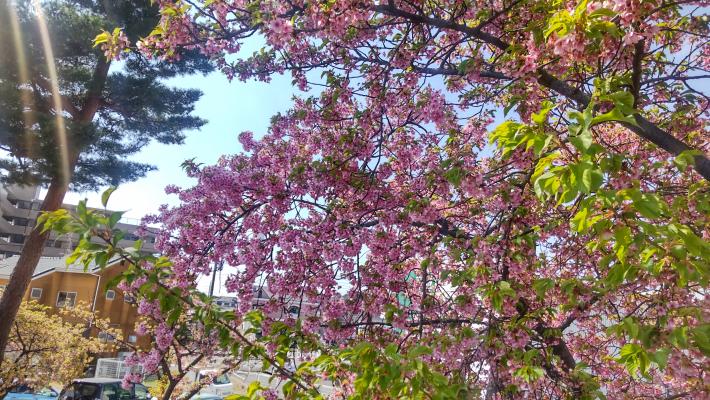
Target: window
x=22 y=389
x=58 y=244
x=142 y=392
x=128 y=299
x=110 y=295
x=130 y=236
x=18 y=239
x=114 y=391
x=21 y=221
x=47 y=392
x=221 y=380
x=132 y=338
x=106 y=337
x=26 y=205
x=66 y=299
x=36 y=293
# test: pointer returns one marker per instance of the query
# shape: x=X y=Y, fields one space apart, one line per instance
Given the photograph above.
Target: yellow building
x=56 y=285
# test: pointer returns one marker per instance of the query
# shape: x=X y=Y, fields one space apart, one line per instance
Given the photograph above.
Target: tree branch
x=644 y=128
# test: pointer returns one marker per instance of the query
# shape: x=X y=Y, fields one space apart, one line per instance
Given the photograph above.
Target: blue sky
x=229 y=108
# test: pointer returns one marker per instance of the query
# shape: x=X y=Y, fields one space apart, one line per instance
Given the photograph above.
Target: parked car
x=220 y=386
x=103 y=389
x=206 y=396
x=24 y=392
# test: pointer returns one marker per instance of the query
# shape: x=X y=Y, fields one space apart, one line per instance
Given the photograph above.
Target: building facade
x=19 y=208
x=57 y=285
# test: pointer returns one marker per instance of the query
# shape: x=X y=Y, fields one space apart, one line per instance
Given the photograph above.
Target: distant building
x=226 y=302
x=280 y=308
x=19 y=208
x=57 y=285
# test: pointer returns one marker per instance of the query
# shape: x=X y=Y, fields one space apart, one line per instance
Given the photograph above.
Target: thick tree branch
x=67 y=105
x=637 y=70
x=644 y=128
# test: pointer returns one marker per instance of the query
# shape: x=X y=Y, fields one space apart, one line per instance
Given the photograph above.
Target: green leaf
x=587 y=180
x=701 y=338
x=634 y=358
x=114 y=218
x=107 y=194
x=649 y=206
x=623 y=102
x=418 y=351
x=541 y=286
x=530 y=373
x=602 y=12
x=101 y=258
x=631 y=327
x=686 y=158
x=102 y=37
x=455 y=175
x=513 y=102
x=505 y=289
x=582 y=141
x=81 y=209
x=614 y=115
x=660 y=357
x=616 y=274
x=541 y=116
x=579 y=222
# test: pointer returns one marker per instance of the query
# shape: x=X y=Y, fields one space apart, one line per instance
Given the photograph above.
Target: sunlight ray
x=25 y=93
x=61 y=133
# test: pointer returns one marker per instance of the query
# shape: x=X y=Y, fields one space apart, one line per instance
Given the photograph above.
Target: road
x=242 y=379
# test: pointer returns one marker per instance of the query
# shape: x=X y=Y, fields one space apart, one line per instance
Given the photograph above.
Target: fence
x=115 y=368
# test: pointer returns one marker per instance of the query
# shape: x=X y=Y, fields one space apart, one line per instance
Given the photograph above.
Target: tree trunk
x=172 y=384
x=32 y=250
x=22 y=274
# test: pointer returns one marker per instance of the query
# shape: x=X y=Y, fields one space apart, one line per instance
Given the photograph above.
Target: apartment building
x=19 y=208
x=57 y=285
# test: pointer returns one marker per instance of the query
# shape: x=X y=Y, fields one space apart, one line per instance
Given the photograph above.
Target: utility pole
x=217 y=267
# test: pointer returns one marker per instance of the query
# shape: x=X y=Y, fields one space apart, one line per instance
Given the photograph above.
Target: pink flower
x=631 y=38
x=163 y=336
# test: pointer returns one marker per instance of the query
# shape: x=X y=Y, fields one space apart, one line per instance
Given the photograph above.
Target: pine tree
x=70 y=117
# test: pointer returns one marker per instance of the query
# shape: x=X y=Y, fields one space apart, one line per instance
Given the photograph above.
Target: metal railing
x=115 y=368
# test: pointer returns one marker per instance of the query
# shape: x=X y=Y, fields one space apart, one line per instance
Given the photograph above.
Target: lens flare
x=25 y=91
x=61 y=133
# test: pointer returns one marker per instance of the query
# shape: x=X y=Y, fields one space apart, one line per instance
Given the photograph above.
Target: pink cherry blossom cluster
x=380 y=206
x=115 y=46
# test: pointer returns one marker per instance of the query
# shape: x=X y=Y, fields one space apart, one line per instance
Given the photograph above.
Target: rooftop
x=45 y=266
x=97 y=380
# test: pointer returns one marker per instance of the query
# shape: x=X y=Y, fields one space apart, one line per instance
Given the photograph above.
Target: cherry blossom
x=562 y=252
